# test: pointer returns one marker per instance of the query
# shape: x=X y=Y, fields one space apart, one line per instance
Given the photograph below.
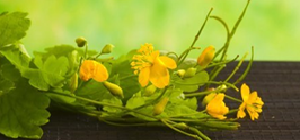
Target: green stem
x=180 y=131
x=103 y=103
x=199 y=133
x=128 y=76
x=212 y=82
x=233 y=111
x=236 y=68
x=98 y=55
x=185 y=115
x=185 y=53
x=220 y=63
x=86 y=51
x=199 y=93
x=232 y=98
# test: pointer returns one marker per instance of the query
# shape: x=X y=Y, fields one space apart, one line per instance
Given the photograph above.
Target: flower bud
x=74 y=83
x=81 y=41
x=181 y=125
x=208 y=98
x=206 y=57
x=114 y=89
x=181 y=73
x=73 y=57
x=108 y=48
x=160 y=106
x=222 y=88
x=150 y=90
x=190 y=72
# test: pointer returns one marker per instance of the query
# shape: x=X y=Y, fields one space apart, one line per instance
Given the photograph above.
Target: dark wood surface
x=278 y=83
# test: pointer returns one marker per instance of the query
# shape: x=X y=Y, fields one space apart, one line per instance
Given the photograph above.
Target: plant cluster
x=145 y=87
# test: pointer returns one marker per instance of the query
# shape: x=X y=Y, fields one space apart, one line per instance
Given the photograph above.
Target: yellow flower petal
x=168 y=62
x=252 y=98
x=206 y=56
x=159 y=75
x=84 y=72
x=101 y=73
x=217 y=108
x=92 y=69
x=245 y=92
x=144 y=76
x=155 y=54
x=241 y=113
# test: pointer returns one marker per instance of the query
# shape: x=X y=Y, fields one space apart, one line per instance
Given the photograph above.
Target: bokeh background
x=272 y=26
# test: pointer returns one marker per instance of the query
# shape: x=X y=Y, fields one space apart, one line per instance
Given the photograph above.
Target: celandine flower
x=216 y=107
x=251 y=102
x=152 y=67
x=206 y=56
x=93 y=69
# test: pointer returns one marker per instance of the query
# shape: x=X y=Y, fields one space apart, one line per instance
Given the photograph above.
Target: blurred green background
x=272 y=26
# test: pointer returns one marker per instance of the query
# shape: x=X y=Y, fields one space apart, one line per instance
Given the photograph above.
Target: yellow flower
x=92 y=69
x=216 y=107
x=251 y=102
x=152 y=67
x=206 y=56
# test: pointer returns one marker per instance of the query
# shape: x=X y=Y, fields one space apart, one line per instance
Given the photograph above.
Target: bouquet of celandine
x=145 y=87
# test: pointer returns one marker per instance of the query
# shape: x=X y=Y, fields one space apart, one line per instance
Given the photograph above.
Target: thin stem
x=185 y=53
x=199 y=133
x=86 y=51
x=232 y=98
x=185 y=115
x=220 y=63
x=247 y=69
x=212 y=82
x=173 y=53
x=98 y=55
x=180 y=131
x=126 y=77
x=233 y=111
x=104 y=103
x=236 y=68
x=199 y=93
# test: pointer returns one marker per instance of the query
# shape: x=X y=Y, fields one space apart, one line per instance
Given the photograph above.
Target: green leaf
x=23 y=112
x=129 y=86
x=16 y=56
x=191 y=84
x=135 y=101
x=62 y=50
x=69 y=103
x=50 y=73
x=115 y=101
x=5 y=86
x=13 y=27
x=93 y=90
x=10 y=72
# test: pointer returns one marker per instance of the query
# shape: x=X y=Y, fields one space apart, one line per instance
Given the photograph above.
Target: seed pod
x=190 y=72
x=181 y=73
x=150 y=90
x=108 y=48
x=74 y=83
x=160 y=106
x=73 y=57
x=206 y=57
x=81 y=41
x=114 y=89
